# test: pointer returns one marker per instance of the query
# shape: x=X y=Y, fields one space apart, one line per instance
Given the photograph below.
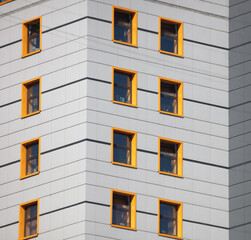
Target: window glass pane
x=122 y=87
x=168 y=219
x=123 y=27
x=33 y=36
x=32 y=97
x=168 y=157
x=30 y=227
x=169 y=97
x=122 y=148
x=169 y=37
x=31 y=158
x=121 y=210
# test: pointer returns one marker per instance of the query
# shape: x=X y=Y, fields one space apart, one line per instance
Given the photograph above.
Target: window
x=31 y=96
x=171 y=97
x=124 y=147
x=30 y=158
x=28 y=219
x=4 y=1
x=31 y=40
x=123 y=209
x=124 y=25
x=124 y=87
x=171 y=36
x=170 y=218
x=170 y=157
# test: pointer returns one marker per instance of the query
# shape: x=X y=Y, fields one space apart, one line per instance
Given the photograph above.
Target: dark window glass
x=121 y=210
x=32 y=97
x=30 y=227
x=169 y=37
x=168 y=219
x=123 y=26
x=31 y=158
x=169 y=98
x=122 y=87
x=33 y=36
x=122 y=148
x=168 y=157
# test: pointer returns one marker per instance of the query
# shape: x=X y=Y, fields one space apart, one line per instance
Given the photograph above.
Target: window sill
x=123 y=164
x=173 y=114
x=29 y=54
x=171 y=174
x=119 y=226
x=170 y=53
x=30 y=114
x=126 y=104
x=125 y=43
x=171 y=236
x=30 y=175
x=31 y=236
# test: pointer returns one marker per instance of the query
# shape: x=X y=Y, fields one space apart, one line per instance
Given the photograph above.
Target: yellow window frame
x=179 y=218
x=23 y=157
x=7 y=1
x=133 y=147
x=24 y=97
x=134 y=25
x=180 y=36
x=133 y=209
x=179 y=156
x=22 y=219
x=134 y=85
x=179 y=93
x=25 y=37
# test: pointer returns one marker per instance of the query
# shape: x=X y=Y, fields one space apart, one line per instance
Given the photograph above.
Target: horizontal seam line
x=106 y=143
x=7 y=104
x=107 y=21
x=8 y=44
x=70 y=144
x=240 y=164
x=206 y=224
x=138 y=211
x=10 y=163
x=73 y=205
x=206 y=44
x=104 y=81
x=209 y=104
x=205 y=163
x=146 y=151
x=9 y=224
x=148 y=213
x=240 y=225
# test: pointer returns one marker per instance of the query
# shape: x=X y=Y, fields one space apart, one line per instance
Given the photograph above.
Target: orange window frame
x=180 y=36
x=134 y=25
x=25 y=37
x=179 y=156
x=7 y=1
x=179 y=218
x=23 y=158
x=24 y=97
x=133 y=209
x=179 y=94
x=22 y=219
x=134 y=85
x=133 y=147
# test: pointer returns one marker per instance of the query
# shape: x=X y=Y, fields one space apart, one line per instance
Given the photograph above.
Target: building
x=125 y=119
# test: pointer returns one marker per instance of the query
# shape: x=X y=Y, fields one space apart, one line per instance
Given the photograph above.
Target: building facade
x=125 y=119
